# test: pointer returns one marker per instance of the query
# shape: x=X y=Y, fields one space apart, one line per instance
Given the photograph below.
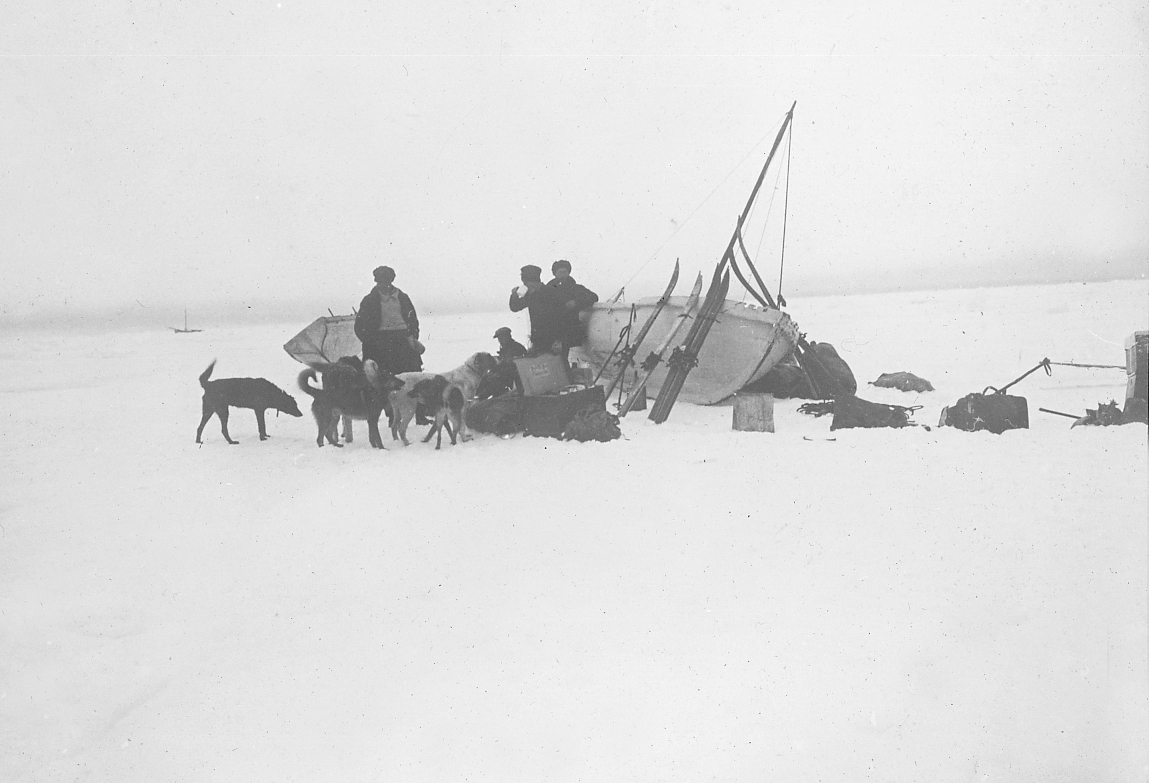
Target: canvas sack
x=547 y=415
x=850 y=412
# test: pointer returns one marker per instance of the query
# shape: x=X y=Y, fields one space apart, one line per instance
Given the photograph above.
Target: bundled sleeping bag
x=852 y=412
x=995 y=413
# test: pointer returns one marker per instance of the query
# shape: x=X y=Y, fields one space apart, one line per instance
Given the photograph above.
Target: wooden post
x=754 y=412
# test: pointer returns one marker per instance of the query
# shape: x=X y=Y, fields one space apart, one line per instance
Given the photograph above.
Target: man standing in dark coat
x=569 y=301
x=388 y=326
x=534 y=297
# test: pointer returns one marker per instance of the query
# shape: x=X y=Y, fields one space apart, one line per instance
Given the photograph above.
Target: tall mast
x=729 y=254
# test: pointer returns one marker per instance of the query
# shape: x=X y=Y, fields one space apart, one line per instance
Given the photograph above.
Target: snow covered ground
x=688 y=603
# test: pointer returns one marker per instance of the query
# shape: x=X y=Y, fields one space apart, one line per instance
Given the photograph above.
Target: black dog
x=348 y=393
x=258 y=394
x=345 y=376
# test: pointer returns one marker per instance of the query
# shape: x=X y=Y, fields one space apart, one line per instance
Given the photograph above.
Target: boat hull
x=745 y=342
x=325 y=340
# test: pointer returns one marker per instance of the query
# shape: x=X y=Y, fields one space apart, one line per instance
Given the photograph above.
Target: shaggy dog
x=343 y=376
x=348 y=396
x=465 y=377
x=442 y=400
x=258 y=394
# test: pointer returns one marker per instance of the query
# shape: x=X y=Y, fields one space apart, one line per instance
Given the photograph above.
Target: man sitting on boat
x=388 y=326
x=569 y=300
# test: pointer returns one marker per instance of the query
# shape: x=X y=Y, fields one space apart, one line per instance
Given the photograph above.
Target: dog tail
x=206 y=374
x=309 y=374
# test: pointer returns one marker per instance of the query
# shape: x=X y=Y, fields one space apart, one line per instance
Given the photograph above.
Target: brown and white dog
x=465 y=378
x=444 y=402
x=348 y=396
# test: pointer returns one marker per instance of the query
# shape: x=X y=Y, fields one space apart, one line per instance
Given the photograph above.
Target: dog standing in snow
x=259 y=394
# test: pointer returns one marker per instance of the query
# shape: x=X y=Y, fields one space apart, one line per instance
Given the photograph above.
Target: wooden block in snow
x=754 y=412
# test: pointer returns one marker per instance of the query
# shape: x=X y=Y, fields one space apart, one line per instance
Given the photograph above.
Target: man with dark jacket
x=534 y=297
x=569 y=301
x=388 y=326
x=509 y=348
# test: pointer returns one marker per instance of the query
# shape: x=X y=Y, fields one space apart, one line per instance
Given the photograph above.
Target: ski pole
x=621 y=336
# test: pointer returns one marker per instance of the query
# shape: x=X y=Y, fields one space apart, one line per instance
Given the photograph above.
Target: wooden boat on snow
x=745 y=343
x=325 y=340
x=737 y=344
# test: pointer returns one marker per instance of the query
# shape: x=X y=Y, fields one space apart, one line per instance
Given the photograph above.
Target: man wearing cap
x=509 y=347
x=534 y=297
x=570 y=300
x=388 y=326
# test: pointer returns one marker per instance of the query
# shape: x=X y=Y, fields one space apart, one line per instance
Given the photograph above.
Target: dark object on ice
x=1104 y=415
x=993 y=412
x=905 y=381
x=828 y=372
x=1107 y=414
x=259 y=394
x=993 y=409
x=501 y=415
x=544 y=415
x=547 y=415
x=590 y=424
x=850 y=412
x=822 y=374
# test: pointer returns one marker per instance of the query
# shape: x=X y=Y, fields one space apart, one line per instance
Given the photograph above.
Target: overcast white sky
x=263 y=158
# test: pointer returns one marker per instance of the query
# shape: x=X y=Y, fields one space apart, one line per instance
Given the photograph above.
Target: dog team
x=389 y=378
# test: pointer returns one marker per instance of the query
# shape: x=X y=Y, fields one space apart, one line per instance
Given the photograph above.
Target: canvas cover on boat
x=745 y=342
x=325 y=340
